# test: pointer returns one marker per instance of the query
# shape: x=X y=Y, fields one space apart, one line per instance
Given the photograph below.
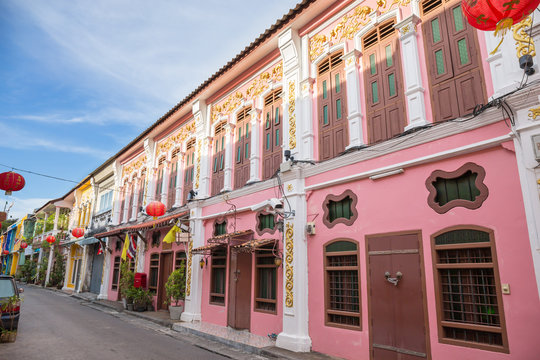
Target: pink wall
x=112 y=294
x=399 y=203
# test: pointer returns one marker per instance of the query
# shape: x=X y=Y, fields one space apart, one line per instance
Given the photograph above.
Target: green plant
x=9 y=306
x=175 y=287
x=58 y=269
x=127 y=277
x=42 y=272
x=141 y=297
x=131 y=292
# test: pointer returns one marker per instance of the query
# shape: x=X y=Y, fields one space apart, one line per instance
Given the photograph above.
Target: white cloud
x=21 y=207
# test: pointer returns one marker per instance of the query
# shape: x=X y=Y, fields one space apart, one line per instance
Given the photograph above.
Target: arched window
x=342 y=284
x=142 y=188
x=171 y=194
x=159 y=178
x=218 y=161
x=332 y=106
x=242 y=148
x=272 y=134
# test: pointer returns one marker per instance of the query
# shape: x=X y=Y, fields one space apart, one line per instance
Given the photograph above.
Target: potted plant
x=130 y=295
x=141 y=299
x=175 y=289
x=10 y=306
x=127 y=277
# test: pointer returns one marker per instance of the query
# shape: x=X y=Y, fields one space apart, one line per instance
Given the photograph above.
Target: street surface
x=56 y=326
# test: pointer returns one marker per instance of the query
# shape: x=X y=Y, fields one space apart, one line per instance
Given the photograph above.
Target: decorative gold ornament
x=350 y=60
x=382 y=9
x=176 y=139
x=407 y=28
x=316 y=46
x=133 y=166
x=199 y=145
x=534 y=113
x=524 y=43
x=189 y=258
x=292 y=116
x=289 y=280
x=289 y=188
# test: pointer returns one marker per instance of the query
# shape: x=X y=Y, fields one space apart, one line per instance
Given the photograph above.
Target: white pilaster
x=165 y=182
x=125 y=204
x=179 y=180
x=306 y=118
x=104 y=289
x=255 y=151
x=354 y=102
x=228 y=170
x=117 y=174
x=192 y=310
x=49 y=265
x=141 y=251
x=414 y=90
x=135 y=206
x=201 y=182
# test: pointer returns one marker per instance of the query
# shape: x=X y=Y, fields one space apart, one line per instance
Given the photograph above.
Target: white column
x=117 y=194
x=165 y=182
x=295 y=334
x=40 y=256
x=104 y=289
x=414 y=90
x=201 y=181
x=135 y=207
x=192 y=310
x=255 y=155
x=354 y=102
x=229 y=140
x=306 y=113
x=125 y=204
x=179 y=180
x=151 y=180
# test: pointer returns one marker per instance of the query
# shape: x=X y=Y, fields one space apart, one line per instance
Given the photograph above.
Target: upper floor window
x=272 y=134
x=340 y=209
x=131 y=197
x=105 y=201
x=266 y=223
x=142 y=188
x=171 y=194
x=332 y=106
x=453 y=60
x=189 y=169
x=218 y=160
x=159 y=178
x=242 y=148
x=383 y=83
x=220 y=227
x=217 y=280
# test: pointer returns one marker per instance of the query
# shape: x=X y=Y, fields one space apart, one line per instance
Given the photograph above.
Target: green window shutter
x=215 y=164
x=238 y=153
x=267 y=120
x=221 y=163
x=338 y=108
x=436 y=30
x=246 y=154
x=439 y=60
x=222 y=142
x=392 y=84
x=338 y=84
x=325 y=114
x=462 y=236
x=462 y=187
x=324 y=90
x=247 y=130
x=388 y=51
x=276 y=119
x=340 y=209
x=463 y=53
x=372 y=67
x=458 y=18
x=239 y=133
x=277 y=137
x=375 y=91
x=267 y=141
x=341 y=246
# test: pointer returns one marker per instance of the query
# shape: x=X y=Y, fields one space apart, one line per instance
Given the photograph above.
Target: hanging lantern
x=6 y=252
x=24 y=245
x=50 y=239
x=77 y=232
x=155 y=209
x=11 y=181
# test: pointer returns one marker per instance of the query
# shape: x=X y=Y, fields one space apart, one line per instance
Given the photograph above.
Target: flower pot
x=8 y=336
x=175 y=312
x=130 y=307
x=139 y=307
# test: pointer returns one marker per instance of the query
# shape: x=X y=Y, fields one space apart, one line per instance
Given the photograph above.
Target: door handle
x=393 y=280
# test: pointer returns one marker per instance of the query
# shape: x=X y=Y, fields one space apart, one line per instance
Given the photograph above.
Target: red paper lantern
x=498 y=15
x=155 y=209
x=77 y=232
x=11 y=181
x=24 y=245
x=50 y=239
x=6 y=252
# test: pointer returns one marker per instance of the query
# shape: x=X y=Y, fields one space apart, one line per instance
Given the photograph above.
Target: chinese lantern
x=77 y=232
x=11 y=181
x=24 y=245
x=155 y=209
x=498 y=15
x=50 y=239
x=6 y=252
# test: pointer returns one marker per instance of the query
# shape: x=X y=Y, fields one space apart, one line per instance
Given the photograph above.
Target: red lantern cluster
x=24 y=245
x=155 y=209
x=11 y=181
x=50 y=239
x=77 y=232
x=498 y=15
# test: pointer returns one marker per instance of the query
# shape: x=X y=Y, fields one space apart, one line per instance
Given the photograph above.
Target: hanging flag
x=100 y=250
x=171 y=235
x=126 y=247
x=132 y=250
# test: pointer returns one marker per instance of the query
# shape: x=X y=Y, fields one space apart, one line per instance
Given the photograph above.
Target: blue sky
x=80 y=79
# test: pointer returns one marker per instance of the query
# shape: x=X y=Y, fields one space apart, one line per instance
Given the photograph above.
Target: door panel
x=397 y=323
x=239 y=304
x=97 y=269
x=165 y=269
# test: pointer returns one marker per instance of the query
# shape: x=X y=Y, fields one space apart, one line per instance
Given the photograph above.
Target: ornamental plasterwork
x=292 y=116
x=289 y=188
x=534 y=113
x=524 y=43
x=382 y=9
x=198 y=172
x=188 y=285
x=133 y=166
x=289 y=279
x=254 y=89
x=407 y=28
x=178 y=138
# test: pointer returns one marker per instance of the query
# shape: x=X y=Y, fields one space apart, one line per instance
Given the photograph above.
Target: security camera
x=270 y=204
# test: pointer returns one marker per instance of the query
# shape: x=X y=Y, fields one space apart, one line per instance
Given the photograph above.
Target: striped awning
x=252 y=245
x=207 y=248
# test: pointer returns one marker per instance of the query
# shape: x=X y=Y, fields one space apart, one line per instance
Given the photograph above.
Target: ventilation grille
x=220 y=128
x=330 y=62
x=384 y=31
x=190 y=145
x=175 y=152
x=161 y=161
x=370 y=39
x=387 y=30
x=242 y=114
x=272 y=97
x=430 y=5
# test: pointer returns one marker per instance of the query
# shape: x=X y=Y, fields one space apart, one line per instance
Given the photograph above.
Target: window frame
x=471 y=205
x=265 y=252
x=213 y=257
x=219 y=222
x=337 y=198
x=327 y=310
x=258 y=223
x=438 y=290
x=153 y=266
x=116 y=273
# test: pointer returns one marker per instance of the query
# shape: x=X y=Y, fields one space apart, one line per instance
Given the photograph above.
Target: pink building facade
x=351 y=186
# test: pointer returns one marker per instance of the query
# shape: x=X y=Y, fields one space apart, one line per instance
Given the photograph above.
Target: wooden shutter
x=142 y=186
x=272 y=133
x=189 y=169
x=242 y=148
x=383 y=81
x=332 y=107
x=171 y=194
x=452 y=56
x=218 y=160
x=159 y=178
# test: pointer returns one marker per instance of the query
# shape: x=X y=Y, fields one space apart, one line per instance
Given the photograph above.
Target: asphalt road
x=57 y=326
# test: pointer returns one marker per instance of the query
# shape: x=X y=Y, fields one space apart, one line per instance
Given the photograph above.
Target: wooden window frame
x=272 y=154
x=218 y=158
x=471 y=205
x=171 y=194
x=153 y=267
x=213 y=266
x=438 y=289
x=265 y=252
x=242 y=139
x=116 y=273
x=336 y=198
x=258 y=225
x=180 y=256
x=142 y=188
x=189 y=167
x=327 y=310
x=219 y=222
x=160 y=172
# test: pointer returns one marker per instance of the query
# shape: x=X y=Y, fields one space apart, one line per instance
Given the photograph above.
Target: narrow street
x=57 y=326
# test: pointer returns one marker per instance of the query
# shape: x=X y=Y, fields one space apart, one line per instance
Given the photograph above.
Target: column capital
x=407 y=26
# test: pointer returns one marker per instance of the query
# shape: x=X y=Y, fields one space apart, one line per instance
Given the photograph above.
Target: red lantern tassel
x=502 y=27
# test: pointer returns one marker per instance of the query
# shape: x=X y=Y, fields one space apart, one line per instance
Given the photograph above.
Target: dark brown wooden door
x=218 y=160
x=453 y=60
x=239 y=306
x=242 y=149
x=189 y=169
x=396 y=296
x=383 y=82
x=165 y=269
x=272 y=134
x=332 y=107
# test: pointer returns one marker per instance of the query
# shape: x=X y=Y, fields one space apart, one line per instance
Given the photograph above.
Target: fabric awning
x=207 y=248
x=88 y=241
x=143 y=226
x=252 y=245
x=223 y=239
